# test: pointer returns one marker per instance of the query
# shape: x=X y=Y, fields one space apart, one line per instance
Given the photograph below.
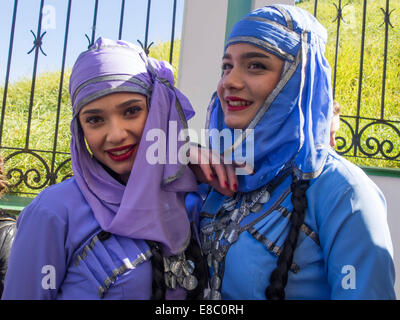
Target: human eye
x=93 y=120
x=257 y=66
x=226 y=66
x=132 y=110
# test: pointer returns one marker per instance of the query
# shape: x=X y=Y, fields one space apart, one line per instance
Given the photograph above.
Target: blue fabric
x=346 y=232
x=350 y=223
x=295 y=125
x=66 y=223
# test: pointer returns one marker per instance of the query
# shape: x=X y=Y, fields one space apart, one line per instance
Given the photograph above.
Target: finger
x=232 y=178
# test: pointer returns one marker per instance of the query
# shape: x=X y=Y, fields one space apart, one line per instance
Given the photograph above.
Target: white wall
x=390 y=187
x=261 y=3
x=202 y=46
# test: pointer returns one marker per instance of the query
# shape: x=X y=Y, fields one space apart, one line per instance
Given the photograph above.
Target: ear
x=332 y=139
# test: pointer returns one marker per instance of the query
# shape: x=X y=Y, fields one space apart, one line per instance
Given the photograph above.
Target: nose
x=233 y=79
x=117 y=132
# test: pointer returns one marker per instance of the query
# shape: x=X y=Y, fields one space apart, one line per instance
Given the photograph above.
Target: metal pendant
x=215 y=282
x=235 y=215
x=188 y=267
x=176 y=268
x=229 y=204
x=221 y=234
x=189 y=282
x=254 y=195
x=218 y=255
x=209 y=260
x=170 y=280
x=233 y=235
x=208 y=229
x=215 y=295
x=245 y=211
x=265 y=197
x=257 y=207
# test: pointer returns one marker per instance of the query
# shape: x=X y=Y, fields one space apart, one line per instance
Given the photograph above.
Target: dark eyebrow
x=92 y=111
x=251 y=54
x=128 y=102
x=248 y=55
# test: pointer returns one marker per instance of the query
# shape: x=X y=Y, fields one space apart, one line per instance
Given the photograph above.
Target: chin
x=234 y=123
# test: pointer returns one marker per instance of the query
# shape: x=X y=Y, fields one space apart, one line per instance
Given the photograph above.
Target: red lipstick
x=117 y=154
x=236 y=103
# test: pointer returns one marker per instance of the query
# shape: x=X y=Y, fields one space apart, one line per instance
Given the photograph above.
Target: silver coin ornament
x=178 y=269
x=265 y=197
x=215 y=295
x=189 y=282
x=256 y=207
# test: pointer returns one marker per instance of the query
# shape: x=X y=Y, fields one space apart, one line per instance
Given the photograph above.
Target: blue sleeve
x=355 y=238
x=37 y=262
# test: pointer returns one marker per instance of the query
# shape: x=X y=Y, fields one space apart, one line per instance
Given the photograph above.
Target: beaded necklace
x=224 y=229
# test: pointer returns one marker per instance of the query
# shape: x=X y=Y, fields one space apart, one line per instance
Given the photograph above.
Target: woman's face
x=249 y=76
x=113 y=126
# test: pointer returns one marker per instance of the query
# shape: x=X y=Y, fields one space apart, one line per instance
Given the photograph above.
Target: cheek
x=265 y=90
x=93 y=143
x=139 y=125
x=220 y=90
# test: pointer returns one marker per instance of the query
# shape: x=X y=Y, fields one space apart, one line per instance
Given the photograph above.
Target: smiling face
x=249 y=76
x=113 y=126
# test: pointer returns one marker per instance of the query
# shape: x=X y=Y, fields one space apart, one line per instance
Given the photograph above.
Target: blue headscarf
x=293 y=124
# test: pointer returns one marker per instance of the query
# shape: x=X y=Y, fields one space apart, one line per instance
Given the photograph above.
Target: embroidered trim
x=286 y=15
x=263 y=44
x=271 y=247
x=128 y=265
x=113 y=77
x=105 y=92
x=85 y=250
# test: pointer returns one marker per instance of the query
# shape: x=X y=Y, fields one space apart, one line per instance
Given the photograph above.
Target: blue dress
x=344 y=249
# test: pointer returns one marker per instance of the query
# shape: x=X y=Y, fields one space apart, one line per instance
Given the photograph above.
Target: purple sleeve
x=37 y=261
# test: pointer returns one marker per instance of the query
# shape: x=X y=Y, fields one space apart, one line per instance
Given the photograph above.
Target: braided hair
x=279 y=277
x=194 y=253
x=157 y=265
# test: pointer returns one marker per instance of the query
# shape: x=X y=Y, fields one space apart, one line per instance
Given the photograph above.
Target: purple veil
x=151 y=205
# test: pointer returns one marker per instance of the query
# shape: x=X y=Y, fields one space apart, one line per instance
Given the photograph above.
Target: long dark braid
x=157 y=264
x=279 y=277
x=193 y=252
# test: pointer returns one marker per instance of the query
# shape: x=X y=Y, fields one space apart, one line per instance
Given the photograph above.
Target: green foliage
x=161 y=51
x=348 y=70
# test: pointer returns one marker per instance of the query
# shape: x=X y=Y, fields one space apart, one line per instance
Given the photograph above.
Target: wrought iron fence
x=372 y=136
x=47 y=166
x=370 y=132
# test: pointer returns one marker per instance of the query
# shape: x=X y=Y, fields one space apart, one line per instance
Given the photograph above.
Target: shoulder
x=55 y=202
x=6 y=218
x=340 y=176
x=344 y=194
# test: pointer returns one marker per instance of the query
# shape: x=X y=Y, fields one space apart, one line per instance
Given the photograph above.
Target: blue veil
x=292 y=127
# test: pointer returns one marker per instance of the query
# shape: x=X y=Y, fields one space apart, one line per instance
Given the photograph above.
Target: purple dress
x=73 y=258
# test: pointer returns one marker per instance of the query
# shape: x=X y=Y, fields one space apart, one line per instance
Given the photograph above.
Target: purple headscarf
x=151 y=205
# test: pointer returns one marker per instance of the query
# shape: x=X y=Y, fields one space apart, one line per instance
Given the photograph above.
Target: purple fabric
x=151 y=205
